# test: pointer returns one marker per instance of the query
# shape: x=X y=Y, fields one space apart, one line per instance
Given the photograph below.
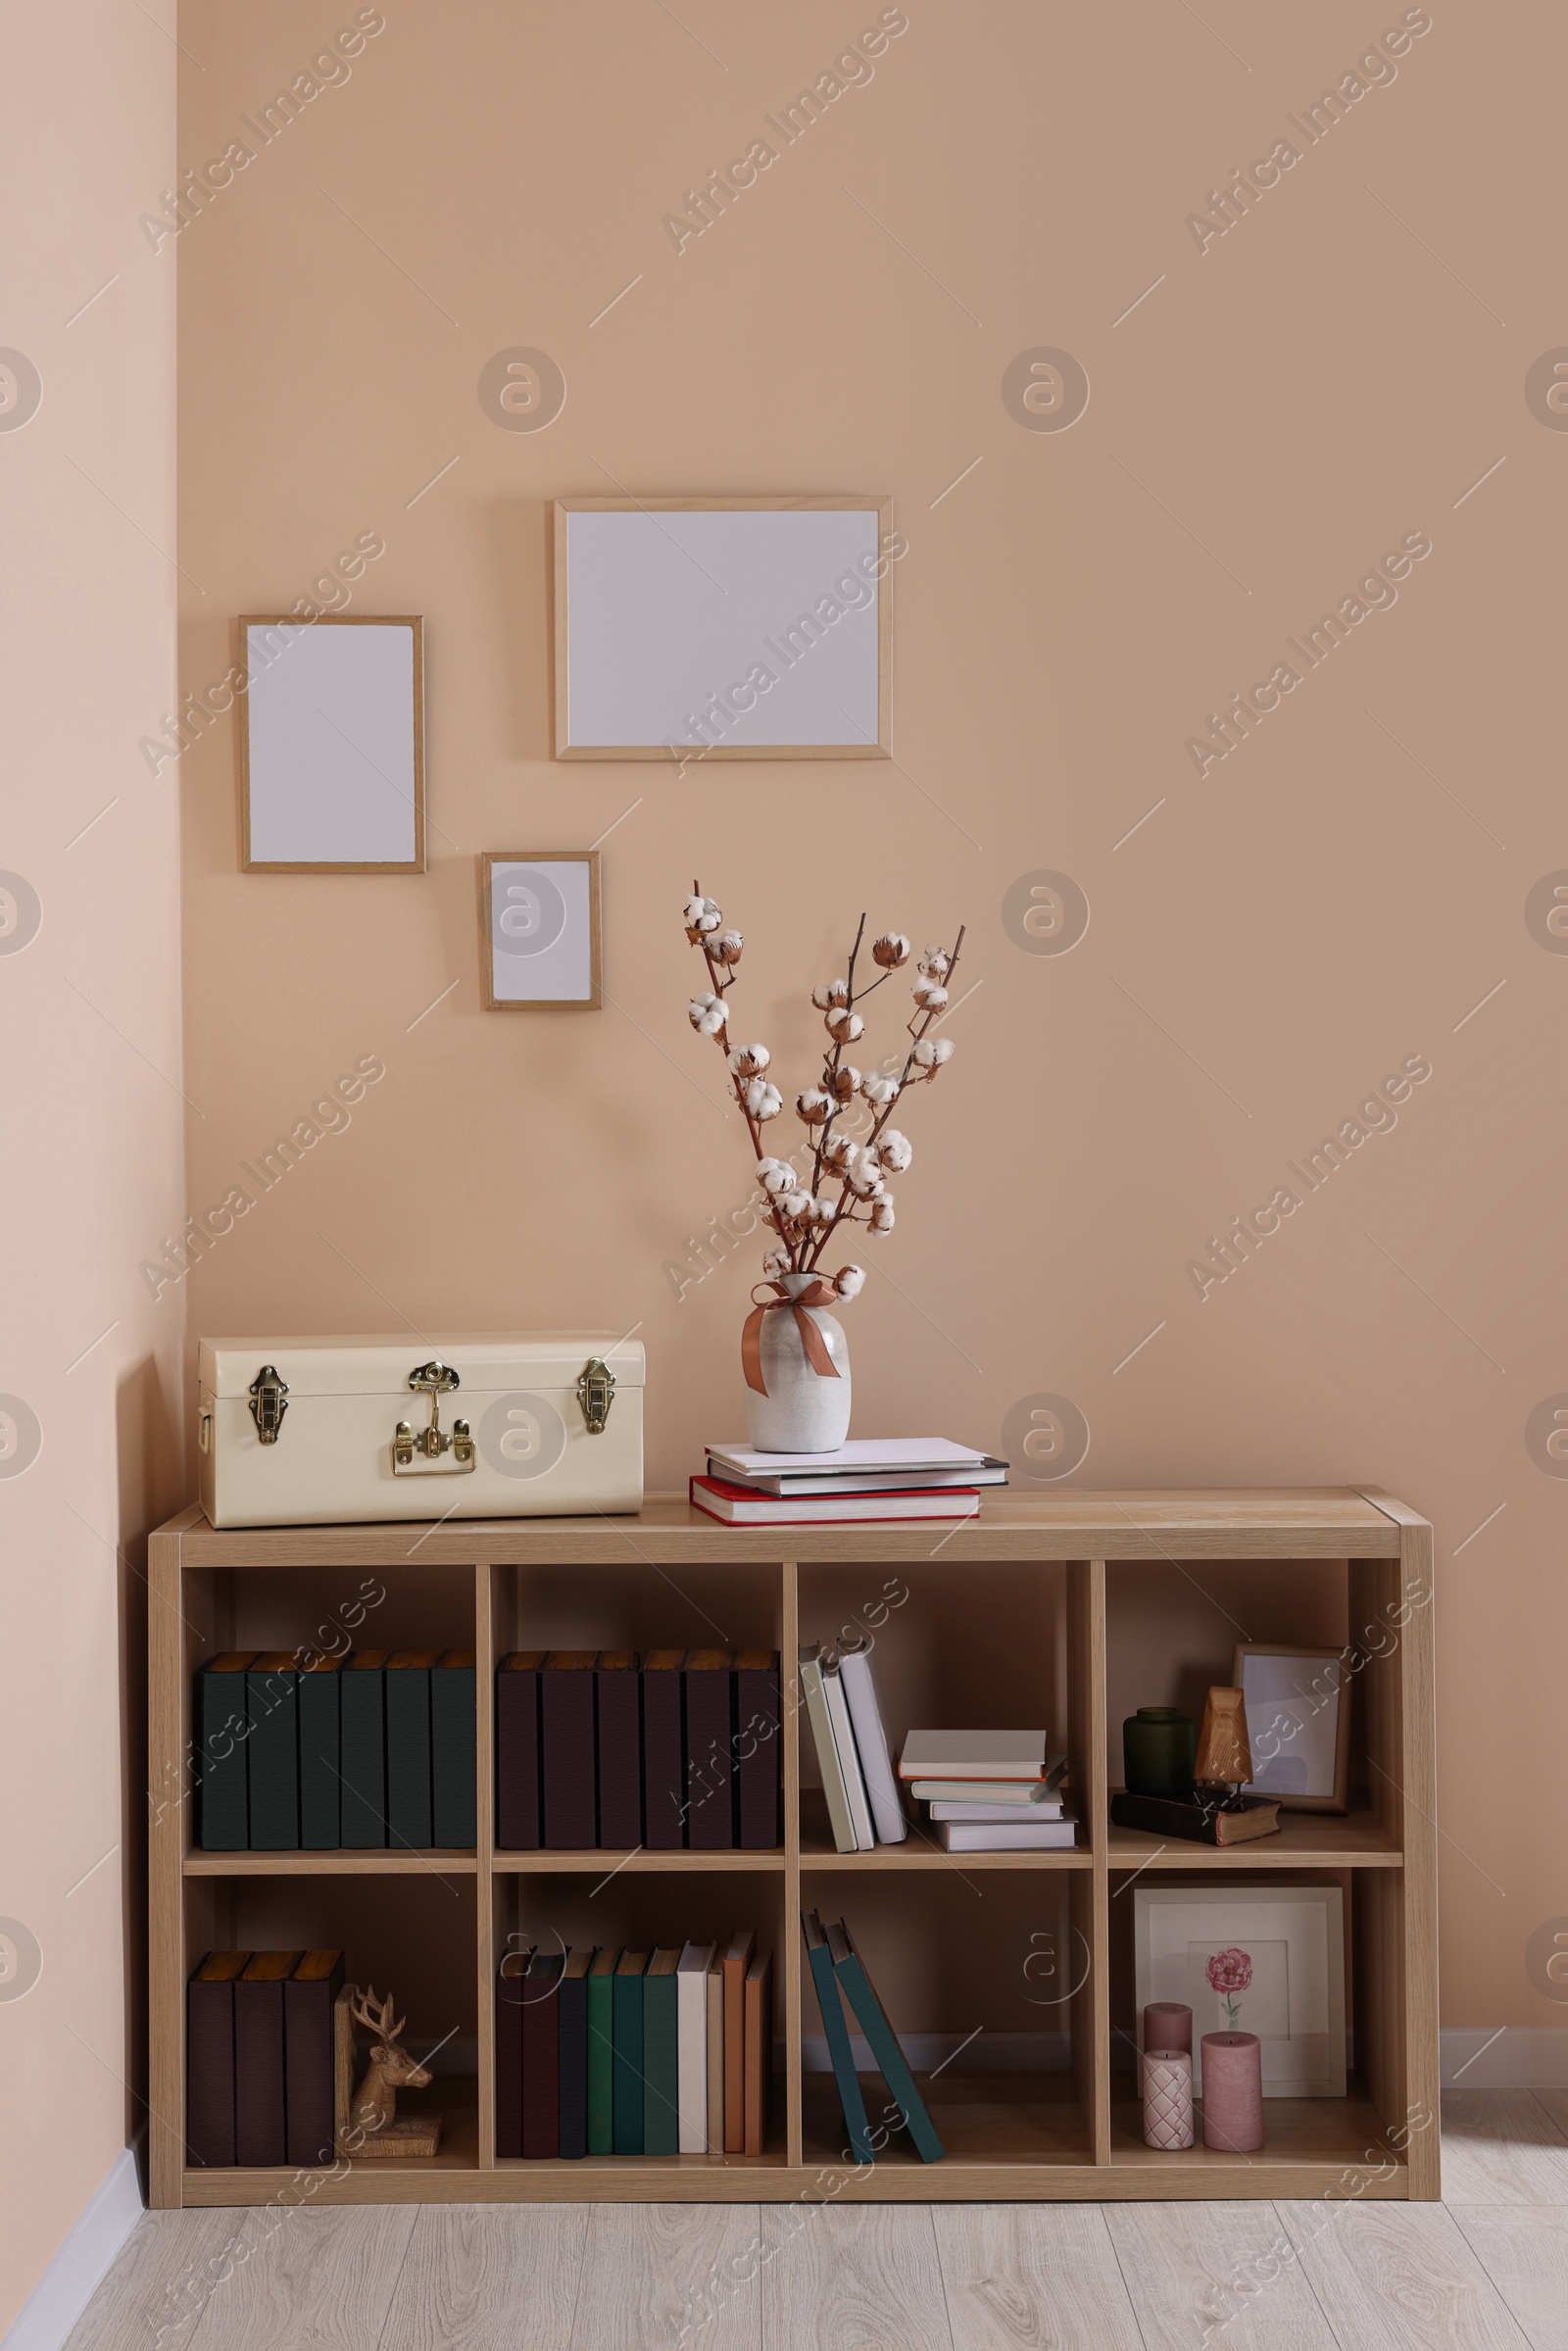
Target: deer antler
x=377 y=2020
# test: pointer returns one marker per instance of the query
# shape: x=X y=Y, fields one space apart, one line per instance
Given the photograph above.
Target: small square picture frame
x=1290 y=1992
x=539 y=930
x=1298 y=1701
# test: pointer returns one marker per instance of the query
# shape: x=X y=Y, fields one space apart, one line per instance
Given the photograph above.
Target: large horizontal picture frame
x=1291 y=1938
x=285 y=735
x=1298 y=1701
x=658 y=628
x=567 y=949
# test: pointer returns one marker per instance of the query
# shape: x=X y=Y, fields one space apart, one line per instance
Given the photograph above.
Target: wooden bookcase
x=435 y=1923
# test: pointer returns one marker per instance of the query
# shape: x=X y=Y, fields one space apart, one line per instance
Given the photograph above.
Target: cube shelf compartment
x=1032 y=1611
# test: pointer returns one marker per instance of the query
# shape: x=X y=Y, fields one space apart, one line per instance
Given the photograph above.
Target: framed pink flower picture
x=1268 y=1960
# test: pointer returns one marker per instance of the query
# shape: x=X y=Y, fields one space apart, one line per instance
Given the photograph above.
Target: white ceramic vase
x=801 y=1412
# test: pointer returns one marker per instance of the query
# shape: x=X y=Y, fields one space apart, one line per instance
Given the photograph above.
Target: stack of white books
x=870 y=1479
x=843 y=1708
x=988 y=1791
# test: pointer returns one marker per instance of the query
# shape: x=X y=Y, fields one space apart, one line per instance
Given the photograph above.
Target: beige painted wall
x=89 y=1003
x=1278 y=933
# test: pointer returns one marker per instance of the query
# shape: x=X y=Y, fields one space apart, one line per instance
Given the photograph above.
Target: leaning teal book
x=628 y=2069
x=884 y=2045
x=830 y=2001
x=602 y=2052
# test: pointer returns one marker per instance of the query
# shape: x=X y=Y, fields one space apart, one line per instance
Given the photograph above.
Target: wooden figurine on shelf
x=368 y=2128
x=1224 y=1757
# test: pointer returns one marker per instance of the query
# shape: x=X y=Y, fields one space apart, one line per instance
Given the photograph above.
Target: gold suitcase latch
x=596 y=1393
x=268 y=1393
x=434 y=1380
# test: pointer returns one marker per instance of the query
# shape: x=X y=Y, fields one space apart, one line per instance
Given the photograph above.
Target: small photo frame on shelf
x=539 y=930
x=1297 y=1705
x=1263 y=1959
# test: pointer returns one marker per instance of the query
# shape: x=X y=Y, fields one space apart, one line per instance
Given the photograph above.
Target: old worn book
x=756 y=2090
x=309 y=1995
x=710 y=1750
x=320 y=1754
x=738 y=1956
x=361 y=1703
x=664 y=1751
x=661 y=2055
x=224 y=1809
x=618 y=1730
x=260 y=2133
x=571 y=2002
x=627 y=2097
x=601 y=2051
x=409 y=1825
x=273 y=1748
x=1199 y=1824
x=510 y=1991
x=759 y=1749
x=540 y=2056
x=517 y=1751
x=566 y=1711
x=210 y=2058
x=454 y=1811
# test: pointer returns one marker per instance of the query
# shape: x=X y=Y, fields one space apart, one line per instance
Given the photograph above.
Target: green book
x=830 y=2002
x=220 y=1730
x=363 y=1708
x=408 y=1749
x=321 y=1756
x=601 y=2052
x=627 y=2099
x=272 y=1719
x=453 y=1812
x=661 y=2066
x=890 y=2059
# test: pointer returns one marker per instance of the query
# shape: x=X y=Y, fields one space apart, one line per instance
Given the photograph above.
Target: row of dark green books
x=612 y=1751
x=611 y=2052
x=847 y=1998
x=369 y=1749
x=258 y=2057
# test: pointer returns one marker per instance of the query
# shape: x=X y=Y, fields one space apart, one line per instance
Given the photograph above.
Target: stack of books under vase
x=870 y=1480
x=988 y=1791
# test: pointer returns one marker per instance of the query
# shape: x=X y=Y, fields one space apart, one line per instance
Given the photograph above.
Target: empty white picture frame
x=691 y=629
x=1297 y=1706
x=539 y=930
x=332 y=745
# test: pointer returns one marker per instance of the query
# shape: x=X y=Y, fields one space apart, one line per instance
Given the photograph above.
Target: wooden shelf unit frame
x=1009 y=2135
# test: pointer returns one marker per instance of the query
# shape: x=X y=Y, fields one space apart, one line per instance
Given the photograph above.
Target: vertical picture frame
x=331 y=742
x=539 y=930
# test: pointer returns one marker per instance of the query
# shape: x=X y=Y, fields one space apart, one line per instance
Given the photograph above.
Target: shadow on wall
x=522 y=557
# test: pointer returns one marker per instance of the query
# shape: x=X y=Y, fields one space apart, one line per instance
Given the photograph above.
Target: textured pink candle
x=1167 y=2025
x=1167 y=2098
x=1233 y=2093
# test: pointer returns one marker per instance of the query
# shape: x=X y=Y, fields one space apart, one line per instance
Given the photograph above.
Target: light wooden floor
x=1485 y=2271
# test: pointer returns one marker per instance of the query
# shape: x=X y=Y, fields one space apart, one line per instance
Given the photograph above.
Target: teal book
x=889 y=2058
x=361 y=1703
x=829 y=2002
x=221 y=1732
x=454 y=1819
x=627 y=2068
x=601 y=2052
x=321 y=1756
x=408 y=1749
x=661 y=2062
x=273 y=1748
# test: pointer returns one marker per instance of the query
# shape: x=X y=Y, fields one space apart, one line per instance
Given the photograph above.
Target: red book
x=742 y=1506
x=510 y=1988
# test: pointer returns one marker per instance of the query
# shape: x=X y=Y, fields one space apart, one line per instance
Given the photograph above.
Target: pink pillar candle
x=1233 y=2093
x=1167 y=2025
x=1167 y=2099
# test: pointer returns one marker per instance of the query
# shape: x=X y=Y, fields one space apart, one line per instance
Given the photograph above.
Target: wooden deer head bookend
x=367 y=2126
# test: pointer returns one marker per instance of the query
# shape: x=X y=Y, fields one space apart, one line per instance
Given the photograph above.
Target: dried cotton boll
x=850 y=1280
x=706 y=1015
x=750 y=1061
x=930 y=997
x=890 y=950
x=846 y=1083
x=776 y=1261
x=841 y=1151
x=728 y=946
x=776 y=1175
x=879 y=1088
x=701 y=916
x=932 y=1052
x=881 y=1217
x=813 y=1106
x=847 y=1027
x=796 y=1204
x=831 y=992
x=763 y=1100
x=894 y=1151
x=934 y=965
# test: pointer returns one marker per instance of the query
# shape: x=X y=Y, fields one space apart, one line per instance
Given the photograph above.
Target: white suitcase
x=326 y=1431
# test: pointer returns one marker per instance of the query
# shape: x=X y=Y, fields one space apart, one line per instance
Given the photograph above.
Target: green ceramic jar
x=1159 y=1747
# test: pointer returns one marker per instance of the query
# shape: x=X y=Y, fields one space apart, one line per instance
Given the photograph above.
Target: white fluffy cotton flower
x=841 y=1151
x=846 y=1083
x=894 y=1151
x=794 y=1203
x=932 y=1052
x=728 y=946
x=890 y=950
x=881 y=1216
x=847 y=1027
x=776 y=1175
x=776 y=1261
x=750 y=1061
x=813 y=1106
x=706 y=1015
x=879 y=1088
x=865 y=1178
x=831 y=992
x=849 y=1281
x=763 y=1100
x=934 y=965
x=702 y=915
x=930 y=997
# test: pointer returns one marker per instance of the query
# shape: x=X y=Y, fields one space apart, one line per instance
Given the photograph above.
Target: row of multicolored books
x=371 y=1748
x=867 y=1479
x=612 y=2052
x=607 y=1749
x=258 y=2057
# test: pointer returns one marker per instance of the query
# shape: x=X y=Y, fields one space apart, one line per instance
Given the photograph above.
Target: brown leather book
x=566 y=1716
x=617 y=1687
x=260 y=2132
x=664 y=1751
x=308 y=1998
x=759 y=1750
x=737 y=1959
x=210 y=2058
x=517 y=1751
x=758 y=2056
x=710 y=1750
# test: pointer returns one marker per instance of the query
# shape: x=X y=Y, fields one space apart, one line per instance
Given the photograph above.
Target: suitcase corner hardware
x=596 y=1393
x=434 y=1380
x=268 y=1393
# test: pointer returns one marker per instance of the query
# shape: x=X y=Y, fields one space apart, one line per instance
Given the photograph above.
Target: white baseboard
x=985 y=2053
x=1519 y=2057
x=82 y=2259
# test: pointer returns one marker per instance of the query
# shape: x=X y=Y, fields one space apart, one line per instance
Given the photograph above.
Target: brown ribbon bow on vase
x=821 y=1293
